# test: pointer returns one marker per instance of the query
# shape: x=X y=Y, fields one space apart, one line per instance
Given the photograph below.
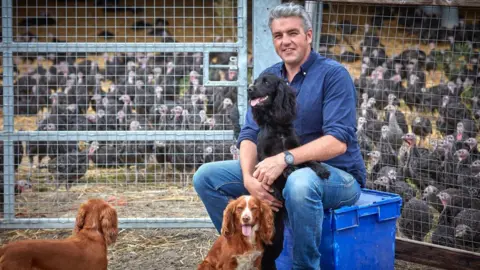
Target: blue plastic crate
x=355 y=237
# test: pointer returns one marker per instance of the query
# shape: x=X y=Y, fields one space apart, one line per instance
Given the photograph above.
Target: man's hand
x=259 y=190
x=269 y=169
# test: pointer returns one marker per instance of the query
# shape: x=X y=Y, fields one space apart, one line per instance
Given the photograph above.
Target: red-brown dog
x=96 y=227
x=247 y=226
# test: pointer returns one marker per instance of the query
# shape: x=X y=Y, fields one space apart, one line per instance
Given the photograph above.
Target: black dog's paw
x=277 y=193
x=323 y=172
x=319 y=169
x=289 y=170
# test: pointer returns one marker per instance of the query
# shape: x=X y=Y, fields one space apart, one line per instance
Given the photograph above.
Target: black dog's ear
x=285 y=103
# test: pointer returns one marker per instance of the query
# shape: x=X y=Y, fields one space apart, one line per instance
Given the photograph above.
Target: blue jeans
x=306 y=197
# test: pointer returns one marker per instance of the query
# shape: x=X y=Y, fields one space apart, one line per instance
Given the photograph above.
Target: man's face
x=290 y=40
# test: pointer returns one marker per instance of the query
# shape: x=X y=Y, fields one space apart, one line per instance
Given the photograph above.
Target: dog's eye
x=239 y=208
x=254 y=208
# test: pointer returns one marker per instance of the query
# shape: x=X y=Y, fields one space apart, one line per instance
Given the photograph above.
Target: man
x=326 y=121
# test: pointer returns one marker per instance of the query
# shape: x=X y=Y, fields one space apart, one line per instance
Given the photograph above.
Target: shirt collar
x=305 y=66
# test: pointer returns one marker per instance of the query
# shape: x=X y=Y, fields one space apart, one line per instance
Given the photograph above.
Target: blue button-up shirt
x=326 y=105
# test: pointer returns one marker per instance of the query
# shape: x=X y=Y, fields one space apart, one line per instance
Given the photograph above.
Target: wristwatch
x=289 y=158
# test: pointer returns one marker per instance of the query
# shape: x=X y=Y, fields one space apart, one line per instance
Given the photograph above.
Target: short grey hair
x=290 y=9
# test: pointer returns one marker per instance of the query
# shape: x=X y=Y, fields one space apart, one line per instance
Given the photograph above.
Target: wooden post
x=436 y=256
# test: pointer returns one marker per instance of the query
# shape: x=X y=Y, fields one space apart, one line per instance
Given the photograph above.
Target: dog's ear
x=285 y=103
x=109 y=223
x=267 y=226
x=228 y=223
x=80 y=219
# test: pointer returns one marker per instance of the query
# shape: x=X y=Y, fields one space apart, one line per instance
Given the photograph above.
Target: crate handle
x=387 y=214
x=363 y=212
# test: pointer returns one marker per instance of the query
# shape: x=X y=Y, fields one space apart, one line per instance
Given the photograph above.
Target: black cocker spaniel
x=273 y=105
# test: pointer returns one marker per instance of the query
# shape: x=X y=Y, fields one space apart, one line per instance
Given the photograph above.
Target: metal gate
x=76 y=44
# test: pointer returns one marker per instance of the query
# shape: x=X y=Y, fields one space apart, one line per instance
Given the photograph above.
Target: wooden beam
x=436 y=256
x=452 y=3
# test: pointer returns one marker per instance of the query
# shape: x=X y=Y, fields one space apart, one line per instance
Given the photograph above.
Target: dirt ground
x=161 y=193
x=156 y=249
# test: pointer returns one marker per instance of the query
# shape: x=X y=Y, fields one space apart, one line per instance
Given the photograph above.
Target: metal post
x=123 y=223
x=242 y=60
x=264 y=54
x=312 y=9
x=318 y=24
x=8 y=129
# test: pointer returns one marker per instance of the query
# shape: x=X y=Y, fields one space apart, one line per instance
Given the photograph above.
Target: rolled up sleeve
x=339 y=106
x=249 y=129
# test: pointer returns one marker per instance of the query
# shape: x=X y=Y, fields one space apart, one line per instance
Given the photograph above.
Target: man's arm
x=247 y=143
x=248 y=157
x=323 y=148
x=339 y=117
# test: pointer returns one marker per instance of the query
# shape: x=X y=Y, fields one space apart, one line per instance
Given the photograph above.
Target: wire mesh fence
x=416 y=74
x=124 y=21
x=125 y=100
x=121 y=100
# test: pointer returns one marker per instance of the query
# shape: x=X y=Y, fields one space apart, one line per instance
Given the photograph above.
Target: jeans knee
x=199 y=178
x=301 y=186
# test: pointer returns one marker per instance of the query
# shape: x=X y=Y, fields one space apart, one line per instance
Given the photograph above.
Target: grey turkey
x=185 y=156
x=365 y=143
x=429 y=195
x=133 y=153
x=377 y=162
x=463 y=166
x=49 y=148
x=452 y=111
x=444 y=233
x=471 y=184
x=107 y=156
x=18 y=188
x=471 y=144
x=466 y=128
x=401 y=119
x=467 y=229
x=446 y=169
x=422 y=127
x=158 y=116
x=416 y=219
x=389 y=154
x=196 y=121
x=455 y=200
x=416 y=164
x=430 y=100
x=219 y=152
x=399 y=187
x=395 y=131
x=70 y=167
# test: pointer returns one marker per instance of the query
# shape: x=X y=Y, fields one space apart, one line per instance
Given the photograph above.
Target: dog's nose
x=246 y=219
x=250 y=89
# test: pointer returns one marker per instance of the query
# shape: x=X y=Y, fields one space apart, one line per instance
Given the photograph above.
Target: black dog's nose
x=250 y=89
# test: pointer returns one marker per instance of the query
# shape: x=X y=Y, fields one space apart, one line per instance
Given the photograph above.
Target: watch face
x=289 y=159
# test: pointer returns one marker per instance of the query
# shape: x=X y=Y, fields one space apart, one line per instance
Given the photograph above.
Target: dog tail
x=2 y=251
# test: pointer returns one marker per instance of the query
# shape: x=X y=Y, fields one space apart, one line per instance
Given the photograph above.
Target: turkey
x=70 y=167
x=416 y=219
